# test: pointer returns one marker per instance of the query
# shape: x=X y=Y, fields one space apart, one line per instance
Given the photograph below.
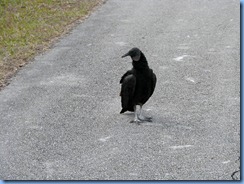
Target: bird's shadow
x=159 y=121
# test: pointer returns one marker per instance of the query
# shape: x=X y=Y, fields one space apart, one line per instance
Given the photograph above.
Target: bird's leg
x=137 y=112
x=144 y=118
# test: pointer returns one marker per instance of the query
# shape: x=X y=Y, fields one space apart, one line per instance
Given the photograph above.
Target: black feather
x=137 y=84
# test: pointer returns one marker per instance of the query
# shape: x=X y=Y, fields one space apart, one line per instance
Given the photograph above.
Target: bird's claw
x=138 y=122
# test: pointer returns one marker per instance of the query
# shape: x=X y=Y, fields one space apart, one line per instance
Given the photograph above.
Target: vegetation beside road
x=28 y=27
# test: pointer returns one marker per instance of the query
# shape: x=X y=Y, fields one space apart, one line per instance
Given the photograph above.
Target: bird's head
x=134 y=53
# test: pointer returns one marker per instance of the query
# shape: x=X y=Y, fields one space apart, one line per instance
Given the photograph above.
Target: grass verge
x=28 y=27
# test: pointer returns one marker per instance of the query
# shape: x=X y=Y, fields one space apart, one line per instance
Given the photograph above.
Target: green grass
x=27 y=27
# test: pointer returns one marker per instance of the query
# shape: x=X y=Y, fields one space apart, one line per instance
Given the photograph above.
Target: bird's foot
x=144 y=118
x=137 y=121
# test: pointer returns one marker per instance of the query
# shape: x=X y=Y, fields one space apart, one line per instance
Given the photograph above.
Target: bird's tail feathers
x=122 y=111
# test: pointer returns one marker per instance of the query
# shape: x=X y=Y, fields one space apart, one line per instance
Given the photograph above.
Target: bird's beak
x=127 y=54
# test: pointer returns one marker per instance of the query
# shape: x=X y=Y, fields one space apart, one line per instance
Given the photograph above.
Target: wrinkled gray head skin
x=134 y=53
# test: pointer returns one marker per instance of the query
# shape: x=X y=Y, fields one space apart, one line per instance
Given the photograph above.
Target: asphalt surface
x=60 y=118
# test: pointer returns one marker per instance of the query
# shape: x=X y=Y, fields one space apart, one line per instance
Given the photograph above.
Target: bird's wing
x=127 y=90
x=129 y=72
x=154 y=81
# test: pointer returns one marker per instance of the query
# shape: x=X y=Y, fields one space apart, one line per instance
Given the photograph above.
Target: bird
x=137 y=85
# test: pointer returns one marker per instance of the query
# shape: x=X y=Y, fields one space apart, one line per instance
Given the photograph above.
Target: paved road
x=60 y=115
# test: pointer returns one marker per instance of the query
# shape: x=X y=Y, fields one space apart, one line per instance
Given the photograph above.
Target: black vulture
x=137 y=85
